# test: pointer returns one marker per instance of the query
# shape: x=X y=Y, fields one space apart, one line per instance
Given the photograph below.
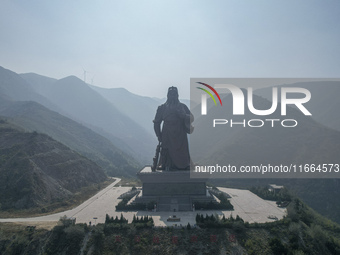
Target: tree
x=277 y=247
x=107 y=219
x=198 y=218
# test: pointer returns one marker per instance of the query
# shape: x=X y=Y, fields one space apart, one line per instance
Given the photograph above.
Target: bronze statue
x=177 y=119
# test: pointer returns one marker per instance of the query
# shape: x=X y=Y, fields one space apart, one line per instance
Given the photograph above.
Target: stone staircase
x=175 y=203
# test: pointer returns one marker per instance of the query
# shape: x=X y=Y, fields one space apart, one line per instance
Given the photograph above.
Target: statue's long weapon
x=156 y=157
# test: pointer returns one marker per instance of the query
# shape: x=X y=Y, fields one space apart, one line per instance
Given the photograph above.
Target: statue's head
x=172 y=94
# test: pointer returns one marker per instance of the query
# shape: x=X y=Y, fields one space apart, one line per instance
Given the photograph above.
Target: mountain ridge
x=35 y=117
x=37 y=170
x=80 y=102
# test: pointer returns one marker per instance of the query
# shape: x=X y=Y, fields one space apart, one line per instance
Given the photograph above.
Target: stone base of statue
x=172 y=190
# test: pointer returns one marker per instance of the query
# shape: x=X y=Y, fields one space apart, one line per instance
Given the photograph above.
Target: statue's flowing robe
x=176 y=124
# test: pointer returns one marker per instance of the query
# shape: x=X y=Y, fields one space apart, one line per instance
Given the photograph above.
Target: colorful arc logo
x=208 y=92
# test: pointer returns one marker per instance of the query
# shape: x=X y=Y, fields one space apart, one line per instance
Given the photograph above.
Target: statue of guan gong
x=173 y=141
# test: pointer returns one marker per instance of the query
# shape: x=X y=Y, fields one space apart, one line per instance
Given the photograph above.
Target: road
x=102 y=202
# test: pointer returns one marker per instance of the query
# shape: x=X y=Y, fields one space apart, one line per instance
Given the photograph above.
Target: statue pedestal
x=172 y=190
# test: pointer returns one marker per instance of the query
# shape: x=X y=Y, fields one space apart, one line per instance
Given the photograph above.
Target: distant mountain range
x=77 y=100
x=141 y=109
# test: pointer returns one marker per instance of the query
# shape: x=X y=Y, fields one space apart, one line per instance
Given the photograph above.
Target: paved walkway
x=247 y=205
x=252 y=208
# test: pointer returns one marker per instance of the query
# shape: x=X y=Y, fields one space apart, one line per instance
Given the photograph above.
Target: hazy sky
x=146 y=46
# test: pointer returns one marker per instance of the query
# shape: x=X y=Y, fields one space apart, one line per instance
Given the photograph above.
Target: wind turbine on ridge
x=85 y=74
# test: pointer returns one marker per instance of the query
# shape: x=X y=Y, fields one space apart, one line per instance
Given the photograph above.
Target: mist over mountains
x=79 y=101
x=141 y=109
x=76 y=100
x=48 y=147
x=62 y=136
x=113 y=129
